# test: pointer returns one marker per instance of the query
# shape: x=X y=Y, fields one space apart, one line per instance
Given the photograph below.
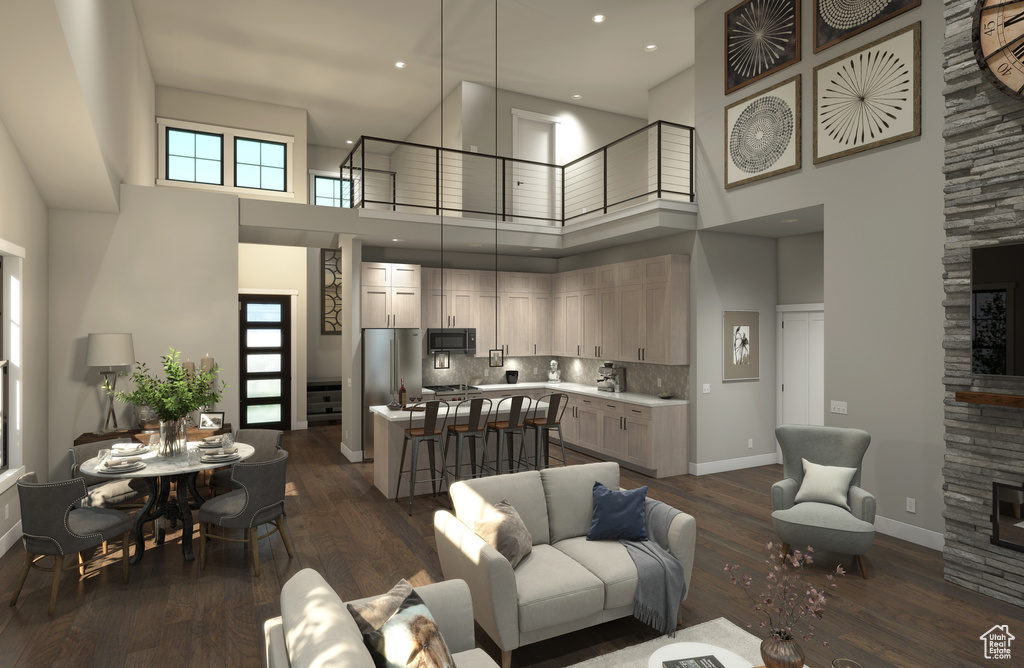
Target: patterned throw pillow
x=506 y=532
x=410 y=639
x=370 y=615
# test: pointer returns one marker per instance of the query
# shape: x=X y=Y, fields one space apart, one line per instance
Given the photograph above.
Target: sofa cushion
x=410 y=638
x=618 y=514
x=812 y=523
x=504 y=530
x=609 y=561
x=317 y=627
x=473 y=499
x=554 y=589
x=568 y=491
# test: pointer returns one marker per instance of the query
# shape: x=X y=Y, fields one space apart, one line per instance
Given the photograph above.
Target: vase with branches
x=173 y=397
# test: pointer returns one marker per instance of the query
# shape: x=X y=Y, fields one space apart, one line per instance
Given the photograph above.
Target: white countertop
x=589 y=390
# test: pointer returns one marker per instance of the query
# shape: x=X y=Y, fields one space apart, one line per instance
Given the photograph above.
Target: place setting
x=121 y=465
x=128 y=449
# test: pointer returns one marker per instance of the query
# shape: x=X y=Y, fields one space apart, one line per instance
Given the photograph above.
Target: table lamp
x=110 y=350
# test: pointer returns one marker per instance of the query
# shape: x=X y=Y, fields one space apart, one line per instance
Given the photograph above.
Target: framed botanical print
x=761 y=37
x=742 y=339
x=868 y=97
x=836 y=20
x=762 y=134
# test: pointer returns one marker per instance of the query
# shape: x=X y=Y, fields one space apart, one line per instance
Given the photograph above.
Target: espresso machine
x=611 y=379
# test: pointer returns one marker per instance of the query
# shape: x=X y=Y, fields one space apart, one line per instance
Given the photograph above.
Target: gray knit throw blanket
x=660 y=583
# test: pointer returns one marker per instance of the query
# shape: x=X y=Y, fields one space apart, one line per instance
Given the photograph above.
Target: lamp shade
x=110 y=350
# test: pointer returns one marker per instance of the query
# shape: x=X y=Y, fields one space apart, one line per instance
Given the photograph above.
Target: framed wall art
x=762 y=134
x=761 y=37
x=742 y=340
x=836 y=20
x=868 y=97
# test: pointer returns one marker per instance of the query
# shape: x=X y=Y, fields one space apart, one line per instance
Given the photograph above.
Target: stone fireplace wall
x=984 y=204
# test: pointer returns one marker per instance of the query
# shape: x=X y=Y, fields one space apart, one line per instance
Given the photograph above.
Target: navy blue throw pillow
x=618 y=514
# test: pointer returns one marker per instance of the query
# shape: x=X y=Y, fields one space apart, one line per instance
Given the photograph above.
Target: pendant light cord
x=440 y=168
x=497 y=190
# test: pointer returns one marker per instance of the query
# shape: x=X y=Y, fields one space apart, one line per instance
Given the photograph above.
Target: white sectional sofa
x=566 y=583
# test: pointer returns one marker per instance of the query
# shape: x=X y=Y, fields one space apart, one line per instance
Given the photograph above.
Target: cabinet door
x=406 y=275
x=591 y=325
x=608 y=348
x=375 y=311
x=462 y=309
x=573 y=319
x=486 y=307
x=589 y=435
x=540 y=316
x=657 y=269
x=462 y=280
x=514 y=281
x=613 y=435
x=430 y=279
x=558 y=325
x=570 y=421
x=630 y=273
x=430 y=311
x=607 y=276
x=638 y=442
x=656 y=323
x=515 y=328
x=405 y=307
x=631 y=320
x=376 y=274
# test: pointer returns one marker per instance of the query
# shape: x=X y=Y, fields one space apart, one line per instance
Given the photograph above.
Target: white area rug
x=720 y=632
x=1019 y=525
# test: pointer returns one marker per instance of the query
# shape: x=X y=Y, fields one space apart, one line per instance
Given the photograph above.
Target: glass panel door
x=265 y=332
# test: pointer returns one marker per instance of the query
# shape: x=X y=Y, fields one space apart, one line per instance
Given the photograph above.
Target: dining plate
x=129 y=453
x=125 y=468
x=207 y=446
x=217 y=459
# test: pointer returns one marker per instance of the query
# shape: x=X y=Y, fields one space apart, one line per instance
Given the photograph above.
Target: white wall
x=883 y=241
x=325 y=158
x=673 y=99
x=276 y=268
x=164 y=269
x=802 y=269
x=323 y=351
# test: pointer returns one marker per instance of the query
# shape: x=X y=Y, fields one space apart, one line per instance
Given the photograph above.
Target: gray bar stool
x=515 y=424
x=473 y=429
x=430 y=431
x=556 y=401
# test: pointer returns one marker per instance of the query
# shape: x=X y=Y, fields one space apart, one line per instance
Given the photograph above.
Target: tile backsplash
x=641 y=378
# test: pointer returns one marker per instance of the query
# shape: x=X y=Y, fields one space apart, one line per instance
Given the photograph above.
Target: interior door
x=802 y=367
x=265 y=347
x=533 y=186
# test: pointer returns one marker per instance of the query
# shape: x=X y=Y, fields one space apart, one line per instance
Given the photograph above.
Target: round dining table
x=158 y=474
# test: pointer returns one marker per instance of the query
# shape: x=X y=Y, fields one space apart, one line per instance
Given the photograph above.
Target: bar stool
x=472 y=430
x=430 y=431
x=508 y=428
x=556 y=401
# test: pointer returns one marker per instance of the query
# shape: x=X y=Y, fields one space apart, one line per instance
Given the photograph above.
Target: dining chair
x=508 y=428
x=266 y=443
x=103 y=492
x=551 y=421
x=53 y=527
x=258 y=500
x=431 y=431
x=479 y=409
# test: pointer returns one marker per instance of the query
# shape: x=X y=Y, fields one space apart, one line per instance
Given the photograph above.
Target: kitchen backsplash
x=641 y=378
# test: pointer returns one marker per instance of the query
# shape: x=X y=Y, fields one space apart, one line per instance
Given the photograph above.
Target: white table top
x=158 y=466
x=689 y=650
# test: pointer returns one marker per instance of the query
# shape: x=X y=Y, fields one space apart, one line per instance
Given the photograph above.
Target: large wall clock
x=999 y=43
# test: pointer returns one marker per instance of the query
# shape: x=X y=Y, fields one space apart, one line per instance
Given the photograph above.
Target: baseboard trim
x=353 y=456
x=11 y=538
x=910 y=533
x=724 y=465
x=300 y=424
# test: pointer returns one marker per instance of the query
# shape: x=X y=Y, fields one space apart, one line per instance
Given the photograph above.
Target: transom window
x=259 y=164
x=197 y=157
x=332 y=191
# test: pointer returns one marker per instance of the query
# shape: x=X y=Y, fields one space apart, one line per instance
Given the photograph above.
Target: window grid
x=260 y=165
x=194 y=157
x=332 y=191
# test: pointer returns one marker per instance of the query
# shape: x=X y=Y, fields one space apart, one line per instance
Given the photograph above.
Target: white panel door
x=816 y=368
x=533 y=186
x=801 y=365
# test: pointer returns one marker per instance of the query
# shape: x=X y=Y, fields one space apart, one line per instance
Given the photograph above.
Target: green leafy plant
x=177 y=394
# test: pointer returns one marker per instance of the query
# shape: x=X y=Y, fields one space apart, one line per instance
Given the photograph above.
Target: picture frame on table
x=762 y=134
x=761 y=37
x=742 y=340
x=211 y=421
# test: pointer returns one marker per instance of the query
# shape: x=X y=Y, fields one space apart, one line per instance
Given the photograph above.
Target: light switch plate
x=839 y=407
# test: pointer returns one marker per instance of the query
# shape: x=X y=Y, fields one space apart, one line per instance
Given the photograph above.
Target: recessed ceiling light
x=398 y=240
x=789 y=220
x=577 y=96
x=651 y=47
x=598 y=18
x=348 y=141
x=400 y=65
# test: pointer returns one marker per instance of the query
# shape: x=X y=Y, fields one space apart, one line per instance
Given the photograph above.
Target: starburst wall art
x=869 y=97
x=761 y=37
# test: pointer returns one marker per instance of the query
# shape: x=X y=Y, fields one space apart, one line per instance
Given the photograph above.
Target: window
x=331 y=191
x=197 y=157
x=259 y=164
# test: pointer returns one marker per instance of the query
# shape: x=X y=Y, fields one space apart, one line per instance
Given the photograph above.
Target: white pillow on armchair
x=826 y=484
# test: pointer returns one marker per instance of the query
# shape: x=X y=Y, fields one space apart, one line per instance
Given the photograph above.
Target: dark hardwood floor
x=170 y=614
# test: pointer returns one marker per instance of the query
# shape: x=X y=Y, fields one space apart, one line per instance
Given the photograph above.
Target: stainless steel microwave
x=454 y=340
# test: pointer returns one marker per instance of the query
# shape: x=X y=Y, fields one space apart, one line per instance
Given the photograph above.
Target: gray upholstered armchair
x=103 y=492
x=846 y=522
x=265 y=442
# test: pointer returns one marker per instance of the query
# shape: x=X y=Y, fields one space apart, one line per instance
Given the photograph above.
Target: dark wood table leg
x=197 y=498
x=161 y=509
x=183 y=483
x=142 y=517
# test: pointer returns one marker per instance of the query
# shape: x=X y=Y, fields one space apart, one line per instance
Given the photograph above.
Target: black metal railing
x=654 y=162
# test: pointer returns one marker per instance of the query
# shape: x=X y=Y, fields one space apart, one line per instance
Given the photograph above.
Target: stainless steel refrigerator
x=389 y=356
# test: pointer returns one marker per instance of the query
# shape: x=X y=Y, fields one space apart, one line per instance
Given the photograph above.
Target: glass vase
x=172 y=438
x=781 y=653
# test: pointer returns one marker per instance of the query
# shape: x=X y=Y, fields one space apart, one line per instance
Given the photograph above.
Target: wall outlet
x=350 y=382
x=659 y=382
x=911 y=505
x=534 y=371
x=750 y=443
x=839 y=407
x=487 y=371
x=707 y=388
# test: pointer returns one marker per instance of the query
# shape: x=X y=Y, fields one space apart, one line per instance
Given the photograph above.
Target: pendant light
x=442 y=358
x=496 y=355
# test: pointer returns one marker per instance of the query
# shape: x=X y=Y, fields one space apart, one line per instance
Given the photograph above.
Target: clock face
x=999 y=42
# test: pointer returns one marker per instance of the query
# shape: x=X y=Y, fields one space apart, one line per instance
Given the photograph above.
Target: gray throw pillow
x=370 y=615
x=505 y=531
x=825 y=484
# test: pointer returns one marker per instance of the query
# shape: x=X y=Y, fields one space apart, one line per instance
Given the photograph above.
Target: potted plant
x=785 y=602
x=173 y=397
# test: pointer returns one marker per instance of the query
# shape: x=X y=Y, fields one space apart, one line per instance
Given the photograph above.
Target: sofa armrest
x=862 y=504
x=275 y=653
x=451 y=605
x=784 y=494
x=682 y=543
x=492 y=583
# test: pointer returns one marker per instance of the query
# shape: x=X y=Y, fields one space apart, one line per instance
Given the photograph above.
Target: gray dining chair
x=266 y=443
x=53 y=527
x=103 y=492
x=258 y=500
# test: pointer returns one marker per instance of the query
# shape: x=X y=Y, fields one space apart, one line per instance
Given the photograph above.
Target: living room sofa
x=566 y=583
x=315 y=628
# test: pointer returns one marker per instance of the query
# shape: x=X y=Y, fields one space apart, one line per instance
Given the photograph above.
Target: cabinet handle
x=638 y=353
x=577 y=351
x=644 y=357
x=634 y=410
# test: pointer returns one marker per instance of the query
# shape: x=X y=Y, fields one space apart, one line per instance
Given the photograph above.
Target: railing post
x=604 y=194
x=437 y=181
x=693 y=188
x=659 y=159
x=504 y=180
x=362 y=177
x=563 y=195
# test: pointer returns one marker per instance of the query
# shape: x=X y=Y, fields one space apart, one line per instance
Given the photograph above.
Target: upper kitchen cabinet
x=654 y=303
x=449 y=306
x=390 y=296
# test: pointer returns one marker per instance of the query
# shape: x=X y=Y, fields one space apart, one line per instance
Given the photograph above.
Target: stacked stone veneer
x=984 y=204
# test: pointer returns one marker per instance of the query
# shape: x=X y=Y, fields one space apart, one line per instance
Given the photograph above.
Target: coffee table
x=686 y=650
